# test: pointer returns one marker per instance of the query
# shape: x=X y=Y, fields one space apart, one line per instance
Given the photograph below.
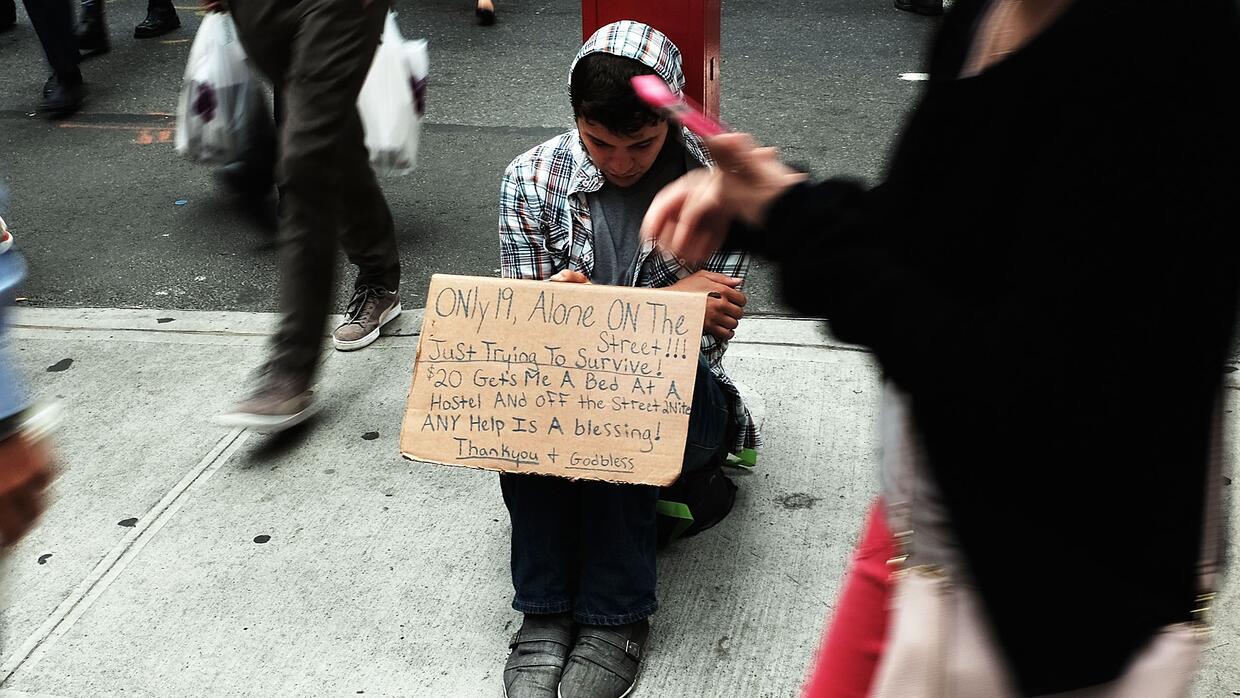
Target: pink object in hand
x=655 y=93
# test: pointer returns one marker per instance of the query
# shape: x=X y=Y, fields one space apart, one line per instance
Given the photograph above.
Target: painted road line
x=142 y=134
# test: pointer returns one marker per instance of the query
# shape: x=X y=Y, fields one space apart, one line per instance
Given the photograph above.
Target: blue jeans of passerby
x=12 y=394
x=588 y=547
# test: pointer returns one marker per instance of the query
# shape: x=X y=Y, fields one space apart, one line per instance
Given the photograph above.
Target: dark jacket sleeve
x=842 y=257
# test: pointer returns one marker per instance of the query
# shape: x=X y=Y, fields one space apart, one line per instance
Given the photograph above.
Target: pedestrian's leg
x=853 y=644
x=369 y=240
x=53 y=22
x=330 y=55
x=92 y=31
x=266 y=32
x=367 y=233
x=544 y=566
x=161 y=18
x=312 y=51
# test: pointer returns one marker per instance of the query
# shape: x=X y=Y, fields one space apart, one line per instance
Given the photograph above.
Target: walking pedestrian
x=317 y=54
x=1048 y=275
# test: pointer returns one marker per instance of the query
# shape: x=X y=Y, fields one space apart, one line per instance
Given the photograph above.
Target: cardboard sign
x=575 y=380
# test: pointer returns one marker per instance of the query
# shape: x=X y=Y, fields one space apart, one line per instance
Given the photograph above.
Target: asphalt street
x=93 y=199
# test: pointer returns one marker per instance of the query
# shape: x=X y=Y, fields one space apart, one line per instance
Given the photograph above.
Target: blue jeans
x=12 y=394
x=588 y=547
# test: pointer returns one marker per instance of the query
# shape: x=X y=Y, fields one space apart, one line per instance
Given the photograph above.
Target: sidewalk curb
x=773 y=330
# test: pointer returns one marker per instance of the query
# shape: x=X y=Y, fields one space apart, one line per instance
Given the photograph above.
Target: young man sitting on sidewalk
x=583 y=553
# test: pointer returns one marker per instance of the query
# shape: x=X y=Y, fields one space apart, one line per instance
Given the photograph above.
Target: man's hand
x=724 y=308
x=24 y=474
x=691 y=216
x=213 y=5
x=569 y=276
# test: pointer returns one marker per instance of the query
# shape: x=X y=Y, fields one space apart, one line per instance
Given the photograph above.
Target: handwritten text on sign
x=574 y=380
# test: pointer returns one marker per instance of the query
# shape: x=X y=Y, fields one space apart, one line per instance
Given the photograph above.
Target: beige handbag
x=939 y=643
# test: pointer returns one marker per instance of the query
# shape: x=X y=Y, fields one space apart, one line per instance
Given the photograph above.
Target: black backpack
x=694 y=503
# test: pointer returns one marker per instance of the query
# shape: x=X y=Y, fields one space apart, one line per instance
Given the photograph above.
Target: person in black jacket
x=1050 y=271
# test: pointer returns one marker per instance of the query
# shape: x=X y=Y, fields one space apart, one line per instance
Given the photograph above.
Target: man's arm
x=522 y=244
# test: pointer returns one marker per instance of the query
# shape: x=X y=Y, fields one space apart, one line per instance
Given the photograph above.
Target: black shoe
x=160 y=19
x=254 y=188
x=61 y=100
x=929 y=8
x=49 y=86
x=247 y=179
x=92 y=32
x=604 y=661
x=539 y=651
x=8 y=15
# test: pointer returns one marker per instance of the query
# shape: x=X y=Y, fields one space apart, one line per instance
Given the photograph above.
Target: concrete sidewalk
x=181 y=559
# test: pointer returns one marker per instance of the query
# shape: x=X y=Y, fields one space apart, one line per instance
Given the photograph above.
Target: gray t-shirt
x=616 y=214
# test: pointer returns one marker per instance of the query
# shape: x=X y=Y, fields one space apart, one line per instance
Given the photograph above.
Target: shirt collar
x=587 y=177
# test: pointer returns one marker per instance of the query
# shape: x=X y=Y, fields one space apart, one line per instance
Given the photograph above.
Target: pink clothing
x=853 y=645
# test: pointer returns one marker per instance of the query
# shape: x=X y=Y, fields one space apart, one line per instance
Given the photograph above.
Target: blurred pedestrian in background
x=316 y=54
x=25 y=469
x=1048 y=275
x=92 y=32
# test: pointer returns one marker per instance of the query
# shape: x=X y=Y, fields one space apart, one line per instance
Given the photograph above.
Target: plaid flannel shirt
x=545 y=227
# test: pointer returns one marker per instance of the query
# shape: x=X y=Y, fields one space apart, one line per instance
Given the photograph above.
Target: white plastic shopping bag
x=393 y=101
x=222 y=104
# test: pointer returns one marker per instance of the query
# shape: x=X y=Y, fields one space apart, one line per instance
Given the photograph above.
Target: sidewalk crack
x=118 y=558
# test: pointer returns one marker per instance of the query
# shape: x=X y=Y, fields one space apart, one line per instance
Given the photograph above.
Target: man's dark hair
x=601 y=93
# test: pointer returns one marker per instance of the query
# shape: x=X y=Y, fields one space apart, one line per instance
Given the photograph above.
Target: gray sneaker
x=369 y=310
x=279 y=402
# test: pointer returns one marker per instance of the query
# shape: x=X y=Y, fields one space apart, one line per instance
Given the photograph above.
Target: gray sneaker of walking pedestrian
x=369 y=310
x=278 y=402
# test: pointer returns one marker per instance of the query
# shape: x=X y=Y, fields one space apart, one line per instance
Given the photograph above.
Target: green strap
x=675 y=510
x=747 y=459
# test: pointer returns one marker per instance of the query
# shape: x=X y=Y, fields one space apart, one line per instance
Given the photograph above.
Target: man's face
x=622 y=159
